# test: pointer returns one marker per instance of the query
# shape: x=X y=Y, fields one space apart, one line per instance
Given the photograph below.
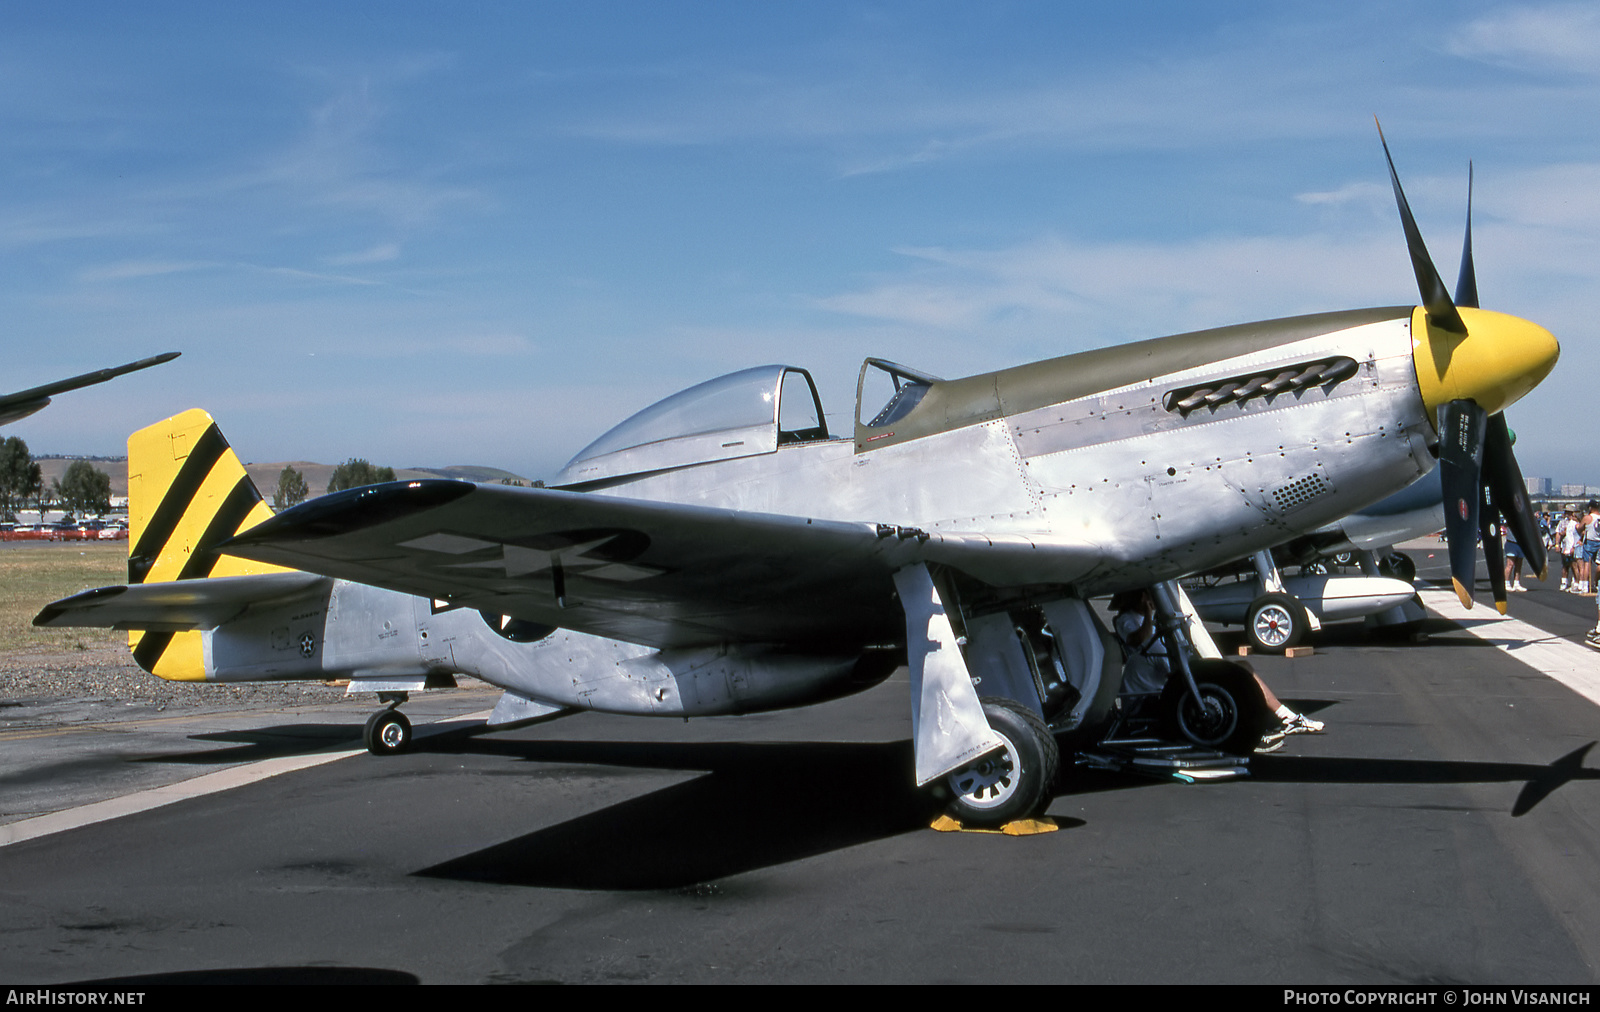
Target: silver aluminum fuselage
x=1155 y=493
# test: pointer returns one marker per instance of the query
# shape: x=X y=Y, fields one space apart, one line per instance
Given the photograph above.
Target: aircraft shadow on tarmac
x=757 y=805
x=1540 y=781
x=764 y=804
x=256 y=744
x=760 y=805
x=315 y=975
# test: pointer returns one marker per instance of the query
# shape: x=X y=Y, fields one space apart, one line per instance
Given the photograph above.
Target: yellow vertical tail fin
x=187 y=493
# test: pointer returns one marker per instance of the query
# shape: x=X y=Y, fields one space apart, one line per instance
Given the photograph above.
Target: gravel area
x=108 y=674
x=97 y=684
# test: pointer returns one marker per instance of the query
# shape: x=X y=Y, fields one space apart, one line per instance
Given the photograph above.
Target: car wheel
x=1275 y=623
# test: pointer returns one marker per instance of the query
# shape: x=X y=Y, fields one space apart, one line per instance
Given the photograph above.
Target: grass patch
x=32 y=577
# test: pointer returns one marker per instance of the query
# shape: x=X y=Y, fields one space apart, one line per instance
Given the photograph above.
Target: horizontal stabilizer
x=179 y=606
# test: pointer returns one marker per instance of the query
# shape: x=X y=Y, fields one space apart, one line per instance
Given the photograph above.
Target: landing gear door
x=998 y=661
x=1089 y=658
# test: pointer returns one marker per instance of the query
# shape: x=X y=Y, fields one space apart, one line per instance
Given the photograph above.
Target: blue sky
x=430 y=234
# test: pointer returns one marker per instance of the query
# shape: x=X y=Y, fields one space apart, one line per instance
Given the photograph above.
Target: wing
x=661 y=574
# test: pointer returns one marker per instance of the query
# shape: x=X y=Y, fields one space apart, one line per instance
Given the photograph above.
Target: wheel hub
x=1209 y=719
x=1272 y=625
x=990 y=781
x=393 y=735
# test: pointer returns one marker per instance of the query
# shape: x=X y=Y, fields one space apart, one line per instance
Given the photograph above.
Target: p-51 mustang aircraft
x=25 y=402
x=723 y=552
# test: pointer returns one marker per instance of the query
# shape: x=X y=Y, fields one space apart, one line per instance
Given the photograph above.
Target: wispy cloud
x=381 y=253
x=128 y=270
x=1351 y=193
x=1104 y=292
x=1561 y=37
x=305 y=275
x=485 y=345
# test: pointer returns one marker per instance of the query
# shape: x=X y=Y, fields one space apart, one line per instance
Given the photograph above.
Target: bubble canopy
x=738 y=415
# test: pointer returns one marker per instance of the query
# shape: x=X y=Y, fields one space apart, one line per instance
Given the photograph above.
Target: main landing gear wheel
x=1011 y=782
x=388 y=732
x=1229 y=715
x=1275 y=623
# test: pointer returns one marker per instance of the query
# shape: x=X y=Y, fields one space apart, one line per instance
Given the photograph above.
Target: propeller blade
x=1435 y=298
x=1461 y=429
x=1467 y=280
x=1494 y=554
x=1504 y=480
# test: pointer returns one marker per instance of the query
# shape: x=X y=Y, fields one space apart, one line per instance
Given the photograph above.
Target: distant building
x=1540 y=486
x=1572 y=491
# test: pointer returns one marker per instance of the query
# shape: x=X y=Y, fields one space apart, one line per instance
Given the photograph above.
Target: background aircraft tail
x=187 y=493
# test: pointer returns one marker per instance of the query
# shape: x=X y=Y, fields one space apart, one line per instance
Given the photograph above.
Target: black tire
x=1230 y=715
x=1275 y=622
x=1048 y=746
x=1400 y=566
x=1012 y=781
x=388 y=732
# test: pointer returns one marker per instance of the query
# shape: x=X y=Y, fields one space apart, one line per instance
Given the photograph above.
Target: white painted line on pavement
x=156 y=797
x=143 y=801
x=1572 y=664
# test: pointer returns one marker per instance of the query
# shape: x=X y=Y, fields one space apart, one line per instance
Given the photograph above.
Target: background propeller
x=1478 y=471
x=1508 y=492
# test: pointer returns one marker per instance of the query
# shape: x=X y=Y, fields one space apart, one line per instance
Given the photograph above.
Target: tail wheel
x=388 y=732
x=1400 y=566
x=1275 y=623
x=1012 y=781
x=1229 y=715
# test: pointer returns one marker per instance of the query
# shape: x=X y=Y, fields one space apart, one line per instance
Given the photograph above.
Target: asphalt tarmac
x=1446 y=829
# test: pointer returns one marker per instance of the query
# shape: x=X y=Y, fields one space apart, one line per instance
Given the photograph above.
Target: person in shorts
x=1568 y=539
x=1147 y=667
x=1591 y=545
x=1513 y=560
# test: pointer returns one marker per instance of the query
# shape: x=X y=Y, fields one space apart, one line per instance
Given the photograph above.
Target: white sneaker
x=1301 y=724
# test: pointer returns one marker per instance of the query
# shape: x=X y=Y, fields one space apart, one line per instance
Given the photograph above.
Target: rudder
x=187 y=493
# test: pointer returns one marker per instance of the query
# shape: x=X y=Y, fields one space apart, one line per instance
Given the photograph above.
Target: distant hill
x=55 y=468
x=318 y=475
x=266 y=475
